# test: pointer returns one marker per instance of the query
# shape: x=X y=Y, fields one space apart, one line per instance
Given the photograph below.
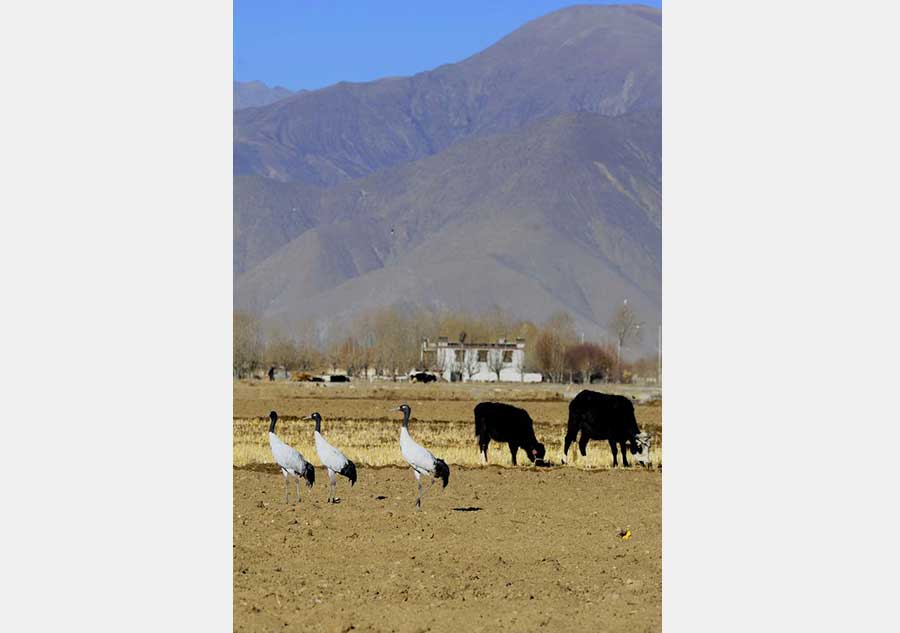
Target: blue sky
x=315 y=43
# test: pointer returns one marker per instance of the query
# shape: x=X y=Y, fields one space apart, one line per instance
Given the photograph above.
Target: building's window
x=507 y=356
x=460 y=356
x=482 y=356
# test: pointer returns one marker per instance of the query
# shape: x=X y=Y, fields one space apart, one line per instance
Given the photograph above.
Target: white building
x=477 y=361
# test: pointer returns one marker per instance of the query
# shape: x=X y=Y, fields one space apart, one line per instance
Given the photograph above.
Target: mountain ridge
x=252 y=94
x=526 y=176
x=608 y=62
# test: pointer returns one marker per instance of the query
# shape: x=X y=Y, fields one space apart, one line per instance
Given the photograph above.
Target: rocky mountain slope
x=527 y=176
x=583 y=59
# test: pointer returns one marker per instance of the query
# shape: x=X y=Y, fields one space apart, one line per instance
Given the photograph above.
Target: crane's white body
x=415 y=454
x=419 y=458
x=289 y=458
x=331 y=458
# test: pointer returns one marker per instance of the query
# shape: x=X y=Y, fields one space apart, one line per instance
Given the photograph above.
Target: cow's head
x=537 y=452
x=640 y=446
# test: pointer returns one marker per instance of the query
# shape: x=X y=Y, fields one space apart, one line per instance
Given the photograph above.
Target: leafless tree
x=350 y=355
x=281 y=352
x=248 y=348
x=305 y=335
x=555 y=336
x=589 y=358
x=520 y=367
x=550 y=355
x=471 y=363
x=495 y=362
x=626 y=327
x=397 y=338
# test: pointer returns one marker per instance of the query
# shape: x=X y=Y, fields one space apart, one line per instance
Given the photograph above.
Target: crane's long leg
x=286 y=485
x=419 y=483
x=427 y=490
x=333 y=478
x=298 y=489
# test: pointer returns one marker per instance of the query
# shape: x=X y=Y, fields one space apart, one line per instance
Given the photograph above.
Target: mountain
x=250 y=94
x=527 y=176
x=602 y=59
x=267 y=215
x=564 y=215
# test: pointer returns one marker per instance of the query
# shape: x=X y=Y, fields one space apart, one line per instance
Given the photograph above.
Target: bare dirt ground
x=501 y=548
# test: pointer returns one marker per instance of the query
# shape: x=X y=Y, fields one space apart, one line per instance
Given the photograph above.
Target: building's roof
x=457 y=344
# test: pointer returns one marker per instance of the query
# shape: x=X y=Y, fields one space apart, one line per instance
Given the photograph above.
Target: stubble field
x=521 y=548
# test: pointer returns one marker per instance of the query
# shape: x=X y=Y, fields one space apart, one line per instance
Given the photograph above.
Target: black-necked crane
x=332 y=459
x=418 y=457
x=290 y=460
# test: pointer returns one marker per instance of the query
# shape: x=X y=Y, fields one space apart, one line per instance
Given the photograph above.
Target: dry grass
x=356 y=418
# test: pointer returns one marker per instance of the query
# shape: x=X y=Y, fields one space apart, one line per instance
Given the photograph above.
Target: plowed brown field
x=501 y=548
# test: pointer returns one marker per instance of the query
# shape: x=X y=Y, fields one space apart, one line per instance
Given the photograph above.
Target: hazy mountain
x=562 y=215
x=527 y=176
x=267 y=215
x=249 y=94
x=602 y=59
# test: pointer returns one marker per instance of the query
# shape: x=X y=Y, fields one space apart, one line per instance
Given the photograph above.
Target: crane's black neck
x=318 y=424
x=274 y=419
x=406 y=418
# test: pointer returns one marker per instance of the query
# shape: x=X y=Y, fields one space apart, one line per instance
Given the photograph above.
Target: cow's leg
x=612 y=447
x=582 y=443
x=483 y=443
x=513 y=449
x=571 y=434
x=624 y=454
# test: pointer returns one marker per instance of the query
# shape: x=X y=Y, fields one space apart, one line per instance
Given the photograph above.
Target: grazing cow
x=505 y=423
x=338 y=378
x=423 y=376
x=601 y=416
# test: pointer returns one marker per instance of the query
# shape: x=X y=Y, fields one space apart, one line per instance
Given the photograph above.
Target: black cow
x=601 y=416
x=423 y=376
x=338 y=378
x=505 y=423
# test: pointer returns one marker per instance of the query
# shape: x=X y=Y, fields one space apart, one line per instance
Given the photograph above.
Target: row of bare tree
x=389 y=341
